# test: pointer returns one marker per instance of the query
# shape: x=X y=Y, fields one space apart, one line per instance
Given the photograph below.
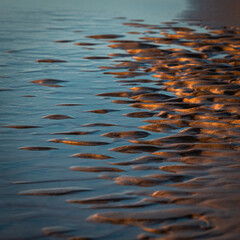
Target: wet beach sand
x=214 y=13
x=116 y=128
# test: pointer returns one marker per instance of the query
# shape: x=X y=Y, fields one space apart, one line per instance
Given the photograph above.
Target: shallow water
x=65 y=170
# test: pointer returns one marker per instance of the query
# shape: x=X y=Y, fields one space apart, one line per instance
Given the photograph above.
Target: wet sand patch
x=136 y=181
x=91 y=156
x=57 y=231
x=54 y=191
x=38 y=148
x=102 y=111
x=95 y=169
x=5 y=89
x=85 y=44
x=123 y=101
x=97 y=57
x=135 y=149
x=157 y=216
x=21 y=126
x=105 y=36
x=63 y=41
x=29 y=96
x=58 y=117
x=140 y=160
x=126 y=134
x=74 y=133
x=78 y=142
x=140 y=114
x=115 y=94
x=48 y=82
x=48 y=60
x=102 y=199
x=99 y=125
x=70 y=104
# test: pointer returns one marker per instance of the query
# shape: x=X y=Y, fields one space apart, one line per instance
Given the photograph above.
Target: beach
x=120 y=120
x=214 y=13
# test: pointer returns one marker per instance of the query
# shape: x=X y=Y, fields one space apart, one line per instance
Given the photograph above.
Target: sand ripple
x=38 y=148
x=202 y=122
x=91 y=156
x=188 y=144
x=57 y=117
x=102 y=199
x=21 y=126
x=48 y=82
x=131 y=134
x=54 y=191
x=50 y=61
x=78 y=143
x=95 y=169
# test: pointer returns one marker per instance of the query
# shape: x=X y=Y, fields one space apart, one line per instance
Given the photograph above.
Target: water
x=28 y=32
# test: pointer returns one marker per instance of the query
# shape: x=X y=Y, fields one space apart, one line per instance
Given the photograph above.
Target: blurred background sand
x=216 y=13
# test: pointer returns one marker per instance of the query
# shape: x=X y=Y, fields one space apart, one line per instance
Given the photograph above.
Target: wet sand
x=148 y=150
x=214 y=13
x=202 y=121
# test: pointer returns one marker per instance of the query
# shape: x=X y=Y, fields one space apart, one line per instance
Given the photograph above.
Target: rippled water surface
x=116 y=123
